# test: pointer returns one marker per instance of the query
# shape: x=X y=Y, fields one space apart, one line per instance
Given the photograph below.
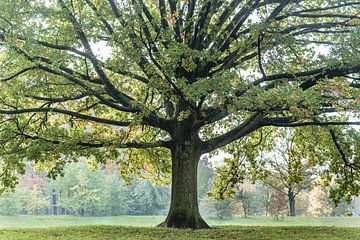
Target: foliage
x=102 y=192
x=247 y=196
x=145 y=199
x=115 y=196
x=81 y=190
x=246 y=162
x=278 y=207
x=32 y=200
x=9 y=204
x=317 y=202
x=205 y=177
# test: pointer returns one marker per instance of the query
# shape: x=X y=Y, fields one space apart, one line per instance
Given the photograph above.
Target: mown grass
x=219 y=233
x=149 y=221
x=259 y=228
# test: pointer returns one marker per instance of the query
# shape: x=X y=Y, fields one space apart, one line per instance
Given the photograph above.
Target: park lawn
x=149 y=221
x=219 y=233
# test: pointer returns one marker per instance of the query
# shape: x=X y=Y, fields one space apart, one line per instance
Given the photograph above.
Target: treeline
x=261 y=200
x=84 y=192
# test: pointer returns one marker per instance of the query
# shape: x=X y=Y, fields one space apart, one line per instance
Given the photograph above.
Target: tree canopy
x=142 y=82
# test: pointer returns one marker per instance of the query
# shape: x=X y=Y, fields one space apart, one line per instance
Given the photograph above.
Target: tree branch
x=248 y=126
x=65 y=112
x=140 y=145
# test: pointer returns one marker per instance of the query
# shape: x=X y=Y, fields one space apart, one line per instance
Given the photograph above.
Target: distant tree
x=146 y=199
x=31 y=191
x=224 y=208
x=278 y=204
x=80 y=191
x=264 y=197
x=318 y=204
x=115 y=195
x=32 y=200
x=291 y=166
x=341 y=209
x=246 y=196
x=9 y=204
x=205 y=176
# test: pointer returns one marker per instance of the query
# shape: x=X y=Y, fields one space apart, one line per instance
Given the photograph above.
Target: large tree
x=177 y=78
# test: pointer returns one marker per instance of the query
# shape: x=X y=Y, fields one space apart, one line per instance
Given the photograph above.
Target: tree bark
x=291 y=197
x=184 y=210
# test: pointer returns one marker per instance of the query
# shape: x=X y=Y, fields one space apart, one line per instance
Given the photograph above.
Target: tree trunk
x=291 y=198
x=244 y=209
x=184 y=210
x=54 y=203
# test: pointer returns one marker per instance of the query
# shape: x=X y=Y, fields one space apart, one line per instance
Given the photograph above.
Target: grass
x=219 y=233
x=149 y=221
x=259 y=228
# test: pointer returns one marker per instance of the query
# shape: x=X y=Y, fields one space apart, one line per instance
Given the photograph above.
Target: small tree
x=278 y=205
x=115 y=194
x=205 y=176
x=32 y=200
x=291 y=167
x=80 y=190
x=318 y=204
x=9 y=204
x=246 y=196
x=144 y=198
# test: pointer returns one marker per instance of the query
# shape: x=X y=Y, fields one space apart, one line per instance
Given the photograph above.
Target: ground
x=219 y=233
x=259 y=228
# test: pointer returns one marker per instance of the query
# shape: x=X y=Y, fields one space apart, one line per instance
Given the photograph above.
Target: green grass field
x=259 y=228
x=149 y=221
x=220 y=233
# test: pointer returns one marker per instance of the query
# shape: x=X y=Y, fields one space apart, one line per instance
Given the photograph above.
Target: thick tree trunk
x=291 y=198
x=184 y=210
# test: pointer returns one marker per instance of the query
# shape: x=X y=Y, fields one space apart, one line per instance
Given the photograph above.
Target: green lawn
x=259 y=228
x=136 y=233
x=148 y=221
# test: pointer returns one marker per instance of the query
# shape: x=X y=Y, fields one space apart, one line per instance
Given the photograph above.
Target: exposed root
x=194 y=223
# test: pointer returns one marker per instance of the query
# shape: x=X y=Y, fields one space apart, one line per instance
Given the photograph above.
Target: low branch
x=140 y=145
x=65 y=112
x=60 y=99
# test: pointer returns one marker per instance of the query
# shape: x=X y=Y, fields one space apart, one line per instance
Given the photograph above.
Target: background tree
x=317 y=202
x=291 y=167
x=278 y=206
x=82 y=191
x=115 y=196
x=146 y=199
x=246 y=196
x=182 y=78
x=9 y=204
x=206 y=175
